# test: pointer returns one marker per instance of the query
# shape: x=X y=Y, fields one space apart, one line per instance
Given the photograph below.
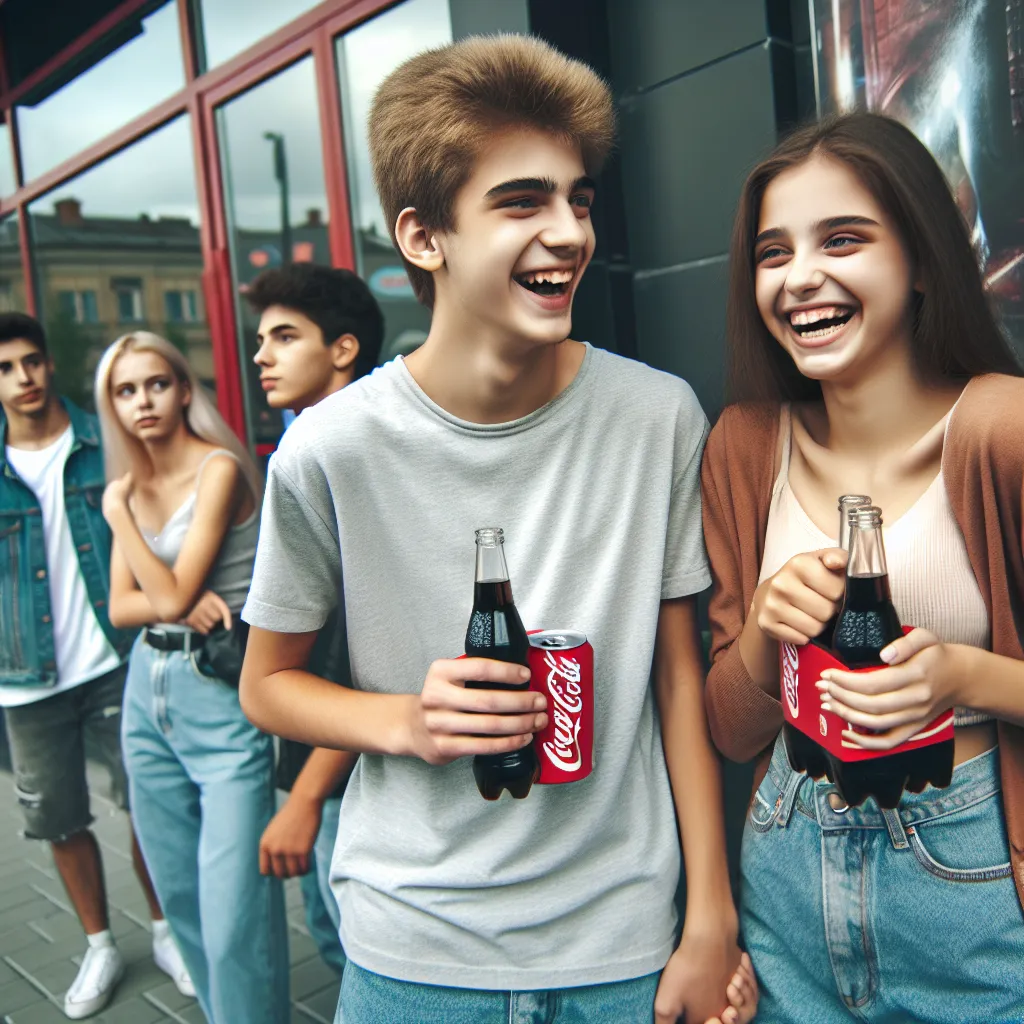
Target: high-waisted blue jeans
x=882 y=916
x=202 y=789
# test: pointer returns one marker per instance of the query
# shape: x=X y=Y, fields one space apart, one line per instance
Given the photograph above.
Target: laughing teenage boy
x=320 y=329
x=560 y=907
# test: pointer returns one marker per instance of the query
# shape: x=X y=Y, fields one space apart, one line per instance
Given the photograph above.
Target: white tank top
x=231 y=572
x=930 y=575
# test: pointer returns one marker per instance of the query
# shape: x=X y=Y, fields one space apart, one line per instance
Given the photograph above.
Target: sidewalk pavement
x=41 y=941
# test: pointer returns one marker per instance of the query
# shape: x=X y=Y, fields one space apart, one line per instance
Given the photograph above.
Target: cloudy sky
x=156 y=176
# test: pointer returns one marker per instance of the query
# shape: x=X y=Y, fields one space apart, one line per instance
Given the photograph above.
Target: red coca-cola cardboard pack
x=800 y=671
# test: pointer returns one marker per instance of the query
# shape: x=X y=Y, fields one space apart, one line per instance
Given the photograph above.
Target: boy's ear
x=344 y=351
x=416 y=244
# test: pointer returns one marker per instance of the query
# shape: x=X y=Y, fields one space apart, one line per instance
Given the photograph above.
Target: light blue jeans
x=882 y=916
x=323 y=919
x=368 y=998
x=202 y=790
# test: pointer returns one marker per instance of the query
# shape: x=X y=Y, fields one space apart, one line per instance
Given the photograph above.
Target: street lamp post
x=276 y=139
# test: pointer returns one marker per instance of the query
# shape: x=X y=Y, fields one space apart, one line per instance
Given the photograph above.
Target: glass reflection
x=276 y=202
x=146 y=69
x=366 y=55
x=226 y=32
x=117 y=249
x=12 y=279
x=7 y=181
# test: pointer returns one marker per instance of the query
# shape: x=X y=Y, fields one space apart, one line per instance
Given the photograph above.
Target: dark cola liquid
x=496 y=631
x=866 y=624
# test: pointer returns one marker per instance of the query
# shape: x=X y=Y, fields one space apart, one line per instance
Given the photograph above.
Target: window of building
x=128 y=293
x=366 y=56
x=181 y=307
x=226 y=34
x=146 y=69
x=271 y=149
x=7 y=182
x=80 y=306
x=12 y=282
x=124 y=230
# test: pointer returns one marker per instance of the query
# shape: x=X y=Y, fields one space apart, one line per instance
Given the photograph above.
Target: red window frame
x=312 y=33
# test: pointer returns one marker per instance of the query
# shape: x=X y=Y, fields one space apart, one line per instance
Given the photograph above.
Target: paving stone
x=129 y=1011
x=42 y=953
x=311 y=976
x=18 y=995
x=40 y=1013
x=55 y=978
x=324 y=1002
x=193 y=1015
x=167 y=996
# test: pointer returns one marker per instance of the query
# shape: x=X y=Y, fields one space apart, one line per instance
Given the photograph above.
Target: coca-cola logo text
x=790 y=678
x=563 y=683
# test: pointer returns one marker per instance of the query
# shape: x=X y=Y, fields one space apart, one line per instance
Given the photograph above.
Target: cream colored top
x=930 y=575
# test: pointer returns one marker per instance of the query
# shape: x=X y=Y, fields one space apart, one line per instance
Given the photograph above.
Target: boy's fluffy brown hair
x=433 y=114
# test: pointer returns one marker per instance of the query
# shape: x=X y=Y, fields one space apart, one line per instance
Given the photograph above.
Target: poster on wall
x=953 y=72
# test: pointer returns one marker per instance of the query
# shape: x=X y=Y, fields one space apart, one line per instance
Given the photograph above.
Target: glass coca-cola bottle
x=866 y=624
x=804 y=754
x=496 y=631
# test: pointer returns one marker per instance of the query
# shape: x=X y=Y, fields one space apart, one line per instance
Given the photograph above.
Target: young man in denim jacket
x=62 y=665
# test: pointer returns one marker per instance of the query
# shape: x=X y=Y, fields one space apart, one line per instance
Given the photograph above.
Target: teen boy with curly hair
x=559 y=908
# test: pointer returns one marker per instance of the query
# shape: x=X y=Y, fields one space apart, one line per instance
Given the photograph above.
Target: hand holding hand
x=694 y=984
x=448 y=720
x=795 y=604
x=921 y=682
x=210 y=609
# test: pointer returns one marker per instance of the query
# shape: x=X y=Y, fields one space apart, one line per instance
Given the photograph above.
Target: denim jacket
x=26 y=630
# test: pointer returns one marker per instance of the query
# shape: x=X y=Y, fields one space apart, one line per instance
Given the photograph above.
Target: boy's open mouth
x=820 y=322
x=546 y=282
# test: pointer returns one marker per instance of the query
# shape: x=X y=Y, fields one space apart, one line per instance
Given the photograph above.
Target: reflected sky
x=137 y=76
x=231 y=26
x=7 y=182
x=366 y=56
x=155 y=176
x=285 y=104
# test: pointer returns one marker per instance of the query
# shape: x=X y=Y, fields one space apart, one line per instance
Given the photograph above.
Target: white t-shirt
x=599 y=496
x=82 y=651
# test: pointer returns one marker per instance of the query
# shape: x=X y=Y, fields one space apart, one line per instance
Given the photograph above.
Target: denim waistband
x=973 y=781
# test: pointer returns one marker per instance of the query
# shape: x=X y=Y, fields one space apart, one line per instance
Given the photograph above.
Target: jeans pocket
x=967 y=846
x=765 y=806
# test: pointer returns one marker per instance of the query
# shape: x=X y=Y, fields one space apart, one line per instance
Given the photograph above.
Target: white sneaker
x=168 y=959
x=101 y=970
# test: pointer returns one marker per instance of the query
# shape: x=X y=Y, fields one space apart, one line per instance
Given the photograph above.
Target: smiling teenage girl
x=183 y=505
x=865 y=359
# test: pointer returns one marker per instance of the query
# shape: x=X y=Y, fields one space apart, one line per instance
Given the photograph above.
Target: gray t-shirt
x=598 y=494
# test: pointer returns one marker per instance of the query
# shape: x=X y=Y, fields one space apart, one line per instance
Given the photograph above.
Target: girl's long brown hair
x=955 y=333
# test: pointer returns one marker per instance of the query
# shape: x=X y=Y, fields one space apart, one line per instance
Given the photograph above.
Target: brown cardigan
x=983 y=469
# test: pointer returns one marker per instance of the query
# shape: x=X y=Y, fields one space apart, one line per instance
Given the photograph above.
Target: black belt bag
x=218 y=654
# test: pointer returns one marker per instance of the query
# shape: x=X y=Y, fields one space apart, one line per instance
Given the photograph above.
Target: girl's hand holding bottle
x=794 y=605
x=924 y=678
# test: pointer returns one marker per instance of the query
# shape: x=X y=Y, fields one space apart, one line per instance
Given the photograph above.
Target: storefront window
x=276 y=203
x=7 y=182
x=366 y=55
x=108 y=247
x=229 y=29
x=146 y=69
x=12 y=280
